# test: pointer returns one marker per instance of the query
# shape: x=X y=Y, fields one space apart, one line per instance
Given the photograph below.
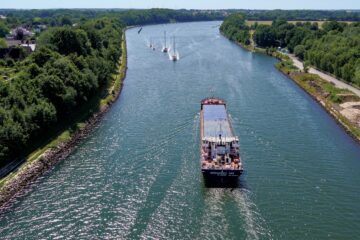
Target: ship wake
x=255 y=225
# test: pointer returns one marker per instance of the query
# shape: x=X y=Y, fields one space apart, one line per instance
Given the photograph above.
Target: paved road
x=337 y=82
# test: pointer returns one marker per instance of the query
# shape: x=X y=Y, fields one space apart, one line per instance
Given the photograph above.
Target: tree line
x=302 y=15
x=234 y=27
x=334 y=47
x=56 y=17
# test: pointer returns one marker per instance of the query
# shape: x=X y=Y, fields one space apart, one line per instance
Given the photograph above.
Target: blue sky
x=198 y=4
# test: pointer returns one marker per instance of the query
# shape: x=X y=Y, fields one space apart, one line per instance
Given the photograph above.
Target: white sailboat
x=174 y=55
x=152 y=46
x=165 y=48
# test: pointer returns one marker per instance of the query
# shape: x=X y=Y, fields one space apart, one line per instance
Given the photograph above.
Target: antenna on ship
x=220 y=133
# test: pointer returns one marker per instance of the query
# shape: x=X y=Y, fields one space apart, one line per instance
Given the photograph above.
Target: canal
x=137 y=175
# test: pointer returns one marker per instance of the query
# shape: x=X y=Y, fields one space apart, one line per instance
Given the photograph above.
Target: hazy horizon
x=184 y=4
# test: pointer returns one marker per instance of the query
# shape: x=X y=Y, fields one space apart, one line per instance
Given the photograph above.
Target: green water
x=137 y=175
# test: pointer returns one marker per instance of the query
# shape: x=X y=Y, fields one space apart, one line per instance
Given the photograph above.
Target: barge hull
x=211 y=173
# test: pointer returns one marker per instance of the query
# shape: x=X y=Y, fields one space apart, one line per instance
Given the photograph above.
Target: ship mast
x=165 y=38
x=174 y=47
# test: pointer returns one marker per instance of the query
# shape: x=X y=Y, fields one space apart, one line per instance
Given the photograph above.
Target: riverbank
x=326 y=76
x=40 y=161
x=340 y=102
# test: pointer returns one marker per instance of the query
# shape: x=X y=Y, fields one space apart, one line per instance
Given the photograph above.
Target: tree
x=66 y=21
x=36 y=21
x=235 y=28
x=4 y=30
x=3 y=43
x=333 y=25
x=264 y=36
x=306 y=66
x=299 y=51
x=67 y=40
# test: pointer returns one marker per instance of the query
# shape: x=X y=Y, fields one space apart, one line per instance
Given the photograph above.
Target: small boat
x=165 y=48
x=174 y=56
x=152 y=46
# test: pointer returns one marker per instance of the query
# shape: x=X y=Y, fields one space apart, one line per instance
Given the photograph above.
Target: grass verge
x=329 y=96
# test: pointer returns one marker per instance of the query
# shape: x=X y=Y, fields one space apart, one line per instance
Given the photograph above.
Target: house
x=19 y=33
x=27 y=45
x=17 y=48
x=13 y=42
x=2 y=17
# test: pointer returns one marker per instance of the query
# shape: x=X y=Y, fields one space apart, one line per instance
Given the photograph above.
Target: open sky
x=195 y=4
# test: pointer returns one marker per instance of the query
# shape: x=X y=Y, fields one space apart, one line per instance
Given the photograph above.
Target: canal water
x=137 y=175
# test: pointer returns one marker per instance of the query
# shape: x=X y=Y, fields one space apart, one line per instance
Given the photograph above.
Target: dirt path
x=337 y=82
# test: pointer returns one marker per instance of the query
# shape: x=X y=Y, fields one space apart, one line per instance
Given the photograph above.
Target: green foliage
x=299 y=51
x=334 y=49
x=337 y=52
x=2 y=43
x=36 y=21
x=67 y=40
x=306 y=66
x=334 y=26
x=69 y=67
x=265 y=36
x=65 y=21
x=302 y=15
x=3 y=29
x=234 y=28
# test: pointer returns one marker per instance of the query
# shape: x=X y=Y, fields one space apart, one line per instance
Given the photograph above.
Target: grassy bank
x=59 y=146
x=331 y=98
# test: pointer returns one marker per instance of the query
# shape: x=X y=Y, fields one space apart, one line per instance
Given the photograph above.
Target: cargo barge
x=220 y=153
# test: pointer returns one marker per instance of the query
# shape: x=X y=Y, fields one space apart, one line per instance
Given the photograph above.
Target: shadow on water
x=232 y=183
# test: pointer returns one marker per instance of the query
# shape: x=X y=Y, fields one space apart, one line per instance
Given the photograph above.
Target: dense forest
x=302 y=15
x=54 y=16
x=70 y=65
x=334 y=47
x=58 y=17
x=235 y=28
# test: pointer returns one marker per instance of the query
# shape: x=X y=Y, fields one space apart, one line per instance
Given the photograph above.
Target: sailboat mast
x=165 y=38
x=174 y=46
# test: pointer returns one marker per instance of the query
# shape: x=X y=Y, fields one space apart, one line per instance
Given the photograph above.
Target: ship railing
x=213 y=100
